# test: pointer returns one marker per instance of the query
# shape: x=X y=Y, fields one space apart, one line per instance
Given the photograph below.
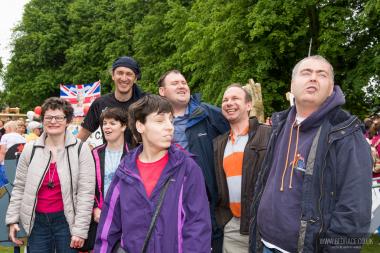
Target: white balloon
x=30 y=115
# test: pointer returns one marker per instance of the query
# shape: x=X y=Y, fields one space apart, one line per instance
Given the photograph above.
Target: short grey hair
x=313 y=57
x=11 y=125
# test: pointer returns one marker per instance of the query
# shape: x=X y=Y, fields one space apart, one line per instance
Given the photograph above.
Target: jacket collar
x=253 y=125
x=278 y=118
x=176 y=158
x=340 y=123
x=196 y=112
x=70 y=139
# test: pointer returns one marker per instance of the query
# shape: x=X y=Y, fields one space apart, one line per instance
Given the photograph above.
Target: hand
x=76 y=242
x=97 y=212
x=13 y=229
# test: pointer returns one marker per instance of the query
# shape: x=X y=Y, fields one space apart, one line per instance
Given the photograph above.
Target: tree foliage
x=214 y=43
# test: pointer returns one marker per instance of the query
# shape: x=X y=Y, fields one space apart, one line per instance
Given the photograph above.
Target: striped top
x=233 y=167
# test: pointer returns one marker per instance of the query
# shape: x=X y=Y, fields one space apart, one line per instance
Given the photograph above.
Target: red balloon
x=37 y=110
x=85 y=109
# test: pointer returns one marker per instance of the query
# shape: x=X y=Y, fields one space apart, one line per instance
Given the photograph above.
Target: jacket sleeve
x=351 y=216
x=85 y=193
x=217 y=120
x=13 y=212
x=95 y=155
x=109 y=227
x=197 y=225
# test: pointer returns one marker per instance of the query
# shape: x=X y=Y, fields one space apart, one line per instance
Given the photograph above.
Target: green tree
x=213 y=42
x=38 y=52
x=1 y=67
x=100 y=31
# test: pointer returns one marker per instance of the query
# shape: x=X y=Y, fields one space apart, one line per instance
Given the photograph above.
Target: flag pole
x=311 y=42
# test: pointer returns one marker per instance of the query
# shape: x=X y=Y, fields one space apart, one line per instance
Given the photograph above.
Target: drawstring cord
x=287 y=156
x=295 y=159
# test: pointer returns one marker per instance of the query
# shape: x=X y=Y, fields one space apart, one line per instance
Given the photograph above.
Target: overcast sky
x=10 y=14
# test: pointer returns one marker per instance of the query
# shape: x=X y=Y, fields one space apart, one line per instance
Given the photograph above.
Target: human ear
x=140 y=127
x=161 y=91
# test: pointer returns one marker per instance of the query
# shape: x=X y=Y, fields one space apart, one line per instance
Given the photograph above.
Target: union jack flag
x=80 y=95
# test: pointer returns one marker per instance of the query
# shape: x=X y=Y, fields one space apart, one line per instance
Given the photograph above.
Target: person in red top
x=157 y=200
x=54 y=187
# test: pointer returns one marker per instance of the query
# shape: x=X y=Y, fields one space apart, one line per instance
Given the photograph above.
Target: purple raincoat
x=184 y=222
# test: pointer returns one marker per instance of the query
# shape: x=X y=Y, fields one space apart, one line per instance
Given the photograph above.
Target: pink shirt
x=151 y=172
x=49 y=199
x=374 y=141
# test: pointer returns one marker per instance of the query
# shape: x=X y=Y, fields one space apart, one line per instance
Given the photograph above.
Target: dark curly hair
x=55 y=103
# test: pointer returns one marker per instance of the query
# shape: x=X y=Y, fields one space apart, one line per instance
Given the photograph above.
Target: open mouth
x=230 y=111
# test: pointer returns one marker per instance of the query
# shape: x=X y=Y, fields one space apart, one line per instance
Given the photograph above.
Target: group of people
x=178 y=175
x=17 y=132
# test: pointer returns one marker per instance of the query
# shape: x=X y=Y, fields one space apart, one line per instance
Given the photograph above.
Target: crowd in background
x=17 y=131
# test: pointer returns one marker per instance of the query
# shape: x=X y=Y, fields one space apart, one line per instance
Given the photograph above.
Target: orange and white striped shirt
x=233 y=167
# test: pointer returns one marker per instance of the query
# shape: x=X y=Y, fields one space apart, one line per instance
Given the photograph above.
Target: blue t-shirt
x=112 y=161
x=180 y=123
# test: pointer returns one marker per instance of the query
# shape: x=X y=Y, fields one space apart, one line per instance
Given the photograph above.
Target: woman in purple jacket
x=155 y=171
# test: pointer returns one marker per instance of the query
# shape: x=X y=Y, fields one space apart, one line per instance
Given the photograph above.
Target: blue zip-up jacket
x=336 y=191
x=205 y=123
x=183 y=224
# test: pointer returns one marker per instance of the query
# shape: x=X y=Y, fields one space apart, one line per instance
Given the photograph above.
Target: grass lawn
x=373 y=246
x=8 y=249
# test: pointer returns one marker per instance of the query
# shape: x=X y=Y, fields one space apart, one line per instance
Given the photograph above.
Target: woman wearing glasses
x=54 y=186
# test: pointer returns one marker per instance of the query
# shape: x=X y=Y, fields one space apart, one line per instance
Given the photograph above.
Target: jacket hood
x=69 y=139
x=196 y=112
x=336 y=99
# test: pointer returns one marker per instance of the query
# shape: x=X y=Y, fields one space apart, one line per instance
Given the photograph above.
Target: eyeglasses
x=58 y=118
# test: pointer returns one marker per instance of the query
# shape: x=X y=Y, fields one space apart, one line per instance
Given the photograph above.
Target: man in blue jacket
x=315 y=184
x=196 y=124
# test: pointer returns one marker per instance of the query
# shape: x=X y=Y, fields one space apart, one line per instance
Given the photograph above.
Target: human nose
x=53 y=119
x=227 y=102
x=313 y=76
x=169 y=125
x=182 y=85
x=124 y=77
